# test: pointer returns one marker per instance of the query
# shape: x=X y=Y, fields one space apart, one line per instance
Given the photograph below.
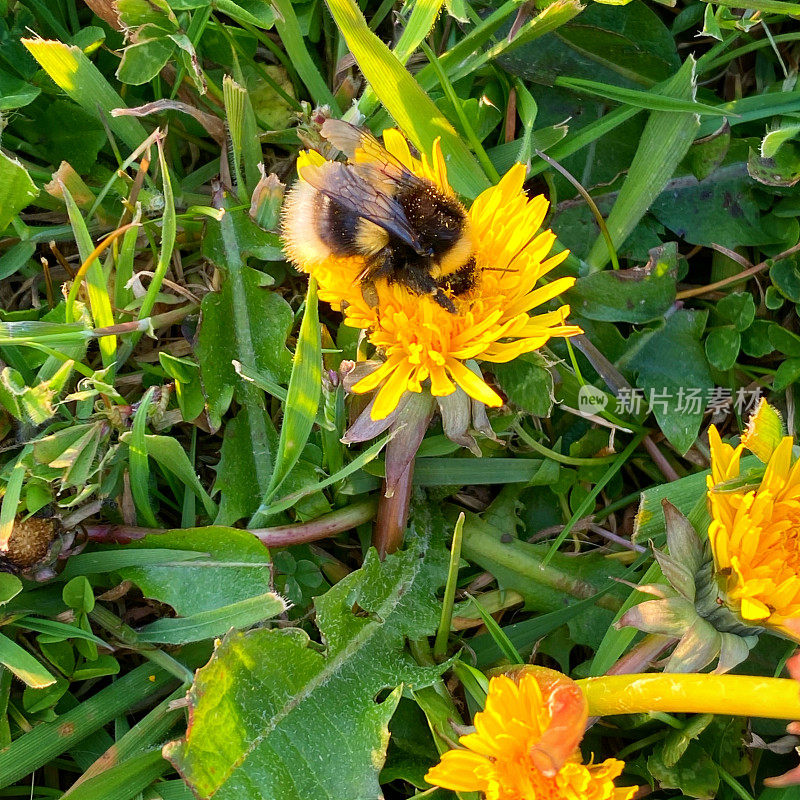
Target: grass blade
x=23 y=665
x=440 y=643
x=210 y=624
x=302 y=401
x=664 y=142
x=76 y=75
x=412 y=109
x=634 y=97
x=96 y=285
x=48 y=740
x=170 y=455
x=288 y=28
x=139 y=467
x=8 y=509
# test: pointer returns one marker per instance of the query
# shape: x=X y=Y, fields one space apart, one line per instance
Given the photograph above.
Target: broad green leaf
x=75 y=74
x=665 y=140
x=624 y=46
x=412 y=109
x=305 y=388
x=725 y=208
x=214 y=623
x=236 y=467
x=772 y=142
x=230 y=565
x=261 y=324
x=722 y=347
x=17 y=189
x=142 y=61
x=15 y=93
x=640 y=294
x=528 y=383
x=169 y=453
x=252 y=717
x=669 y=361
x=10 y=587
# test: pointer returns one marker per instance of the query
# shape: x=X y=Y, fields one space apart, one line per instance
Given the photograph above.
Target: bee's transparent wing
x=348 y=138
x=341 y=183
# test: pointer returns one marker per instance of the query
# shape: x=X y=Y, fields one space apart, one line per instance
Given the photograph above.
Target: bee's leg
x=381 y=266
x=443 y=300
x=369 y=292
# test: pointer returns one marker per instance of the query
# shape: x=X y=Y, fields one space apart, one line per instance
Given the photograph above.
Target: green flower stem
x=482 y=544
x=733 y=695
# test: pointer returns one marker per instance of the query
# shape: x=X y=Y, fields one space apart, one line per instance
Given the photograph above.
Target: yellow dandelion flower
x=422 y=344
x=525 y=746
x=755 y=532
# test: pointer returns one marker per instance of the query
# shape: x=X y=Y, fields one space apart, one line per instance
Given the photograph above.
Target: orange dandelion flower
x=525 y=746
x=755 y=527
x=420 y=344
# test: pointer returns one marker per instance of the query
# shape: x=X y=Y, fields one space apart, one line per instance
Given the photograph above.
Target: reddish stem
x=390 y=524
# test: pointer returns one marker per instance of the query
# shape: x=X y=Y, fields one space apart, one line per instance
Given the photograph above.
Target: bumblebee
x=406 y=229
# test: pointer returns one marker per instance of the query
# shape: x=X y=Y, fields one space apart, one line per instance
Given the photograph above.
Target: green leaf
x=722 y=347
x=768 y=6
x=641 y=294
x=670 y=360
x=262 y=322
x=231 y=566
x=738 y=308
x=10 y=587
x=788 y=372
x=785 y=276
x=123 y=781
x=695 y=774
x=169 y=453
x=214 y=623
x=17 y=190
x=78 y=595
x=664 y=142
x=15 y=93
x=141 y=62
x=236 y=468
x=96 y=284
x=75 y=74
x=139 y=467
x=302 y=401
x=23 y=665
x=289 y=30
x=528 y=383
x=623 y=46
x=634 y=97
x=251 y=716
x=412 y=109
